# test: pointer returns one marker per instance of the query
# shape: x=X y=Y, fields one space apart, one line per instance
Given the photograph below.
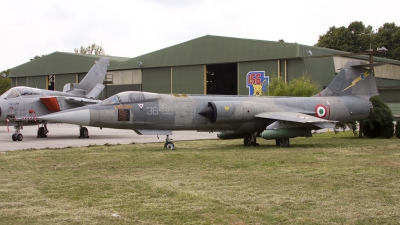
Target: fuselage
x=150 y=111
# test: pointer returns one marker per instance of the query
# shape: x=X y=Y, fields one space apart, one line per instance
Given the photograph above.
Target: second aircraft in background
x=23 y=105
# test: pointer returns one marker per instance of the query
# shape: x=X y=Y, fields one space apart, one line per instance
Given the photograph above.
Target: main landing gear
x=17 y=136
x=83 y=132
x=250 y=139
x=282 y=142
x=168 y=144
x=42 y=131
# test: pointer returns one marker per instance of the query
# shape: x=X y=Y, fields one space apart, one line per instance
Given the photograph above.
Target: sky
x=130 y=28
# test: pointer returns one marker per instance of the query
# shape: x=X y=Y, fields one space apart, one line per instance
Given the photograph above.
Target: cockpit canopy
x=21 y=91
x=130 y=96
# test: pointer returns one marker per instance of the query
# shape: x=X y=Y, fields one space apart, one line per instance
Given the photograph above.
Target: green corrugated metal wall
x=37 y=82
x=63 y=79
x=387 y=82
x=389 y=95
x=157 y=80
x=81 y=76
x=322 y=70
x=270 y=67
x=295 y=68
x=395 y=107
x=188 y=80
x=21 y=81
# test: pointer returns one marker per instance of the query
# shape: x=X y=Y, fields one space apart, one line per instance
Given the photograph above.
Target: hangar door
x=221 y=79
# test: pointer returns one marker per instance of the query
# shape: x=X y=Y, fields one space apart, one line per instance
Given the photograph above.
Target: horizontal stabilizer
x=95 y=92
x=153 y=132
x=370 y=65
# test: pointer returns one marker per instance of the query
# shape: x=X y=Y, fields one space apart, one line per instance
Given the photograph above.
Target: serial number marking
x=154 y=111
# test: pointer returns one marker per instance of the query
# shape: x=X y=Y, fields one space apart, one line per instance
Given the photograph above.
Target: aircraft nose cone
x=79 y=117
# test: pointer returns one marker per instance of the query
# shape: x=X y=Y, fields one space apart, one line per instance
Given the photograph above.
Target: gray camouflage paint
x=345 y=99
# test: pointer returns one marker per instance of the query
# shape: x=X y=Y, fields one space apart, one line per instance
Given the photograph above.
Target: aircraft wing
x=297 y=118
x=84 y=101
x=54 y=104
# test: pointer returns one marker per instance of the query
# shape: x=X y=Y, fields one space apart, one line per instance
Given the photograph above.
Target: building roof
x=62 y=63
x=203 y=50
x=215 y=49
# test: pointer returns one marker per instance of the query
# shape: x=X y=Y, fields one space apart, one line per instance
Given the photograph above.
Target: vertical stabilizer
x=354 y=78
x=94 y=77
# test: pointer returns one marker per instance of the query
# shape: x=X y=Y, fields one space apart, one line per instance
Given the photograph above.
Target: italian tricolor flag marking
x=320 y=111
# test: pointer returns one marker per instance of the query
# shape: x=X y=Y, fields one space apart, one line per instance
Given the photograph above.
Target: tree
x=37 y=57
x=354 y=38
x=389 y=36
x=380 y=122
x=302 y=86
x=359 y=38
x=92 y=49
x=5 y=82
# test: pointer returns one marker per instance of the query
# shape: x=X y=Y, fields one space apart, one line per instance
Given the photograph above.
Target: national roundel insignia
x=320 y=111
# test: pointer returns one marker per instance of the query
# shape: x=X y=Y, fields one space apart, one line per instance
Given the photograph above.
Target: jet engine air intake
x=221 y=111
x=210 y=112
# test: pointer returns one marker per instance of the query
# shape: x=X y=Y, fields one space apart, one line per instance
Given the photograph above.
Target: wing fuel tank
x=285 y=133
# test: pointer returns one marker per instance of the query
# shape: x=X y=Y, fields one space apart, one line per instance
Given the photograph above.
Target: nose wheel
x=17 y=136
x=168 y=144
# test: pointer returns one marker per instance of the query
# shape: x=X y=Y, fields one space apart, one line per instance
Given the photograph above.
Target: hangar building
x=206 y=65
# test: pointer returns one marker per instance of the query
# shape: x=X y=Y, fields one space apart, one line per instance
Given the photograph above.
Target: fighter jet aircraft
x=248 y=117
x=22 y=105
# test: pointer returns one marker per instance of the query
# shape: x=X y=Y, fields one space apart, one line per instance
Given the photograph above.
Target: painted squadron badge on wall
x=257 y=83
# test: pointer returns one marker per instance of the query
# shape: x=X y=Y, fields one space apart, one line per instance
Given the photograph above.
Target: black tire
x=169 y=145
x=283 y=142
x=20 y=137
x=84 y=132
x=248 y=141
x=41 y=132
x=14 y=137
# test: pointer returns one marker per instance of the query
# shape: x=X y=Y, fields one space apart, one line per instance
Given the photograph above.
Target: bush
x=380 y=122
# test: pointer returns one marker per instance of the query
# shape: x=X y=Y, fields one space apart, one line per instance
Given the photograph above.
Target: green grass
x=327 y=179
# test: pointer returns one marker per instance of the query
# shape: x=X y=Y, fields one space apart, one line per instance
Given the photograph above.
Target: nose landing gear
x=168 y=144
x=17 y=136
x=42 y=131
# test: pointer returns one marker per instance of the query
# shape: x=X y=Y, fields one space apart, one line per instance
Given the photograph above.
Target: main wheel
x=283 y=142
x=248 y=141
x=169 y=145
x=20 y=137
x=41 y=133
x=14 y=137
x=84 y=133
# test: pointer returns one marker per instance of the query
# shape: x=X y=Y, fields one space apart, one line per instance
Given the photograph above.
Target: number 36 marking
x=154 y=111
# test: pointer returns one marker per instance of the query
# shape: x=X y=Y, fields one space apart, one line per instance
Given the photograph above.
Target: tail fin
x=95 y=76
x=353 y=79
